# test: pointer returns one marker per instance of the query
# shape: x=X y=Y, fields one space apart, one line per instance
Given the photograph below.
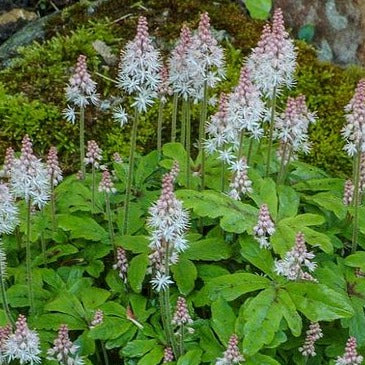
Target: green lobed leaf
x=258 y=9
x=290 y=313
x=210 y=249
x=138 y=348
x=185 y=274
x=192 y=357
x=261 y=359
x=137 y=271
x=154 y=357
x=288 y=202
x=111 y=328
x=357 y=259
x=223 y=319
x=93 y=298
x=318 y=302
x=263 y=315
x=329 y=201
x=82 y=227
x=146 y=166
x=325 y=184
x=135 y=244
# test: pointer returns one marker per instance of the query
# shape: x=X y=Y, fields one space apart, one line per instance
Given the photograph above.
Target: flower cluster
x=106 y=183
x=272 y=63
x=8 y=162
x=8 y=211
x=205 y=57
x=350 y=357
x=98 y=318
x=181 y=70
x=291 y=127
x=29 y=176
x=93 y=154
x=181 y=315
x=348 y=192
x=122 y=263
x=64 y=351
x=5 y=333
x=168 y=355
x=164 y=88
x=298 y=257
x=54 y=170
x=246 y=110
x=23 y=344
x=265 y=227
x=139 y=68
x=232 y=355
x=81 y=89
x=314 y=333
x=168 y=222
x=354 y=130
x=241 y=184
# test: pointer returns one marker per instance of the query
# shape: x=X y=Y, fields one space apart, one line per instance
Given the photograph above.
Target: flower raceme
x=54 y=170
x=295 y=260
x=314 y=333
x=139 y=68
x=241 y=183
x=81 y=89
x=168 y=222
x=350 y=357
x=232 y=355
x=23 y=344
x=8 y=211
x=29 y=177
x=272 y=62
x=354 y=130
x=265 y=227
x=93 y=154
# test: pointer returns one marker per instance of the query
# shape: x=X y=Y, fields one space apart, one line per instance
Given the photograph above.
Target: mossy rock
x=41 y=71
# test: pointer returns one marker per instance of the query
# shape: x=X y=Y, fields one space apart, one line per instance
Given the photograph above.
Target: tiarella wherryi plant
x=242 y=256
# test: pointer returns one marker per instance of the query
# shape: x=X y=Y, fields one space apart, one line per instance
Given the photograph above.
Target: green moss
x=38 y=77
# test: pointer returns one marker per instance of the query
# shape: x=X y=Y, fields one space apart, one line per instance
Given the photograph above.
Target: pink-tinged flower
x=8 y=211
x=168 y=355
x=122 y=263
x=295 y=260
x=241 y=183
x=117 y=158
x=205 y=57
x=8 y=162
x=98 y=318
x=217 y=128
x=106 y=184
x=348 y=192
x=168 y=222
x=314 y=333
x=232 y=355
x=164 y=90
x=23 y=344
x=139 y=68
x=29 y=176
x=181 y=70
x=81 y=89
x=265 y=227
x=54 y=170
x=181 y=315
x=350 y=357
x=5 y=333
x=354 y=130
x=246 y=110
x=64 y=351
x=272 y=63
x=362 y=172
x=292 y=126
x=93 y=154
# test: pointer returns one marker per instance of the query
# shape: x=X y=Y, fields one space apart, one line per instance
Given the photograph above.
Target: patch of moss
x=42 y=70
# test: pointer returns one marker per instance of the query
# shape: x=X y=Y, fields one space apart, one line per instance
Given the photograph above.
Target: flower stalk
x=356 y=201
x=271 y=132
x=175 y=105
x=29 y=257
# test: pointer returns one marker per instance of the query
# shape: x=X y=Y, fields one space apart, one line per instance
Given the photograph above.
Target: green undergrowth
x=33 y=86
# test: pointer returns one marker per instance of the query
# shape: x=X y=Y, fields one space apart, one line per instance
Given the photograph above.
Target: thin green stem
x=105 y=354
x=282 y=164
x=130 y=172
x=53 y=206
x=175 y=103
x=29 y=258
x=271 y=132
x=184 y=116
x=240 y=148
x=249 y=153
x=203 y=118
x=93 y=187
x=43 y=246
x=355 y=232
x=110 y=222
x=223 y=177
x=82 y=141
x=188 y=141
x=182 y=340
x=159 y=127
x=3 y=295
